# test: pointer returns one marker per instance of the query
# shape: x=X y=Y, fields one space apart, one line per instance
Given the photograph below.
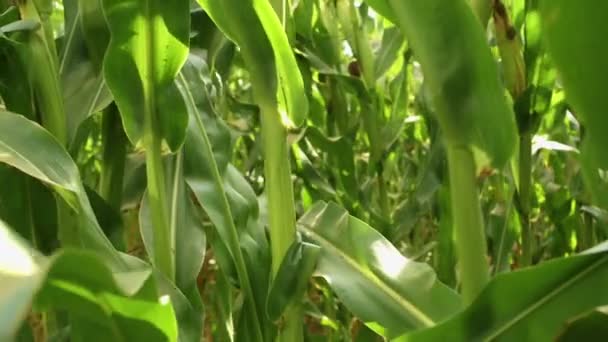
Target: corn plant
x=303 y=170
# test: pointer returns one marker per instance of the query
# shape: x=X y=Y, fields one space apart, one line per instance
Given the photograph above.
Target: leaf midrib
x=544 y=299
x=423 y=319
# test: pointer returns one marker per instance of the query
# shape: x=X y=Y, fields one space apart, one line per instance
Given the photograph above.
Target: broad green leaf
x=291 y=281
x=462 y=80
x=572 y=31
x=85 y=93
x=388 y=292
x=187 y=306
x=29 y=148
x=592 y=326
x=224 y=195
x=254 y=26
x=114 y=301
x=148 y=46
x=20 y=277
x=531 y=304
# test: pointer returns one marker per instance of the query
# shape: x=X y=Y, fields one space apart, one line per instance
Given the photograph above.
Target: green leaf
x=85 y=41
x=224 y=194
x=342 y=158
x=38 y=55
x=20 y=25
x=95 y=32
x=384 y=8
x=116 y=302
x=530 y=304
x=254 y=26
x=84 y=93
x=388 y=292
x=190 y=240
x=291 y=281
x=463 y=79
x=592 y=326
x=16 y=94
x=392 y=43
x=148 y=46
x=572 y=31
x=187 y=306
x=29 y=148
x=20 y=277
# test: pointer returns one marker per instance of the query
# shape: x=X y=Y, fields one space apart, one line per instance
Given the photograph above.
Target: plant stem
x=164 y=244
x=281 y=207
x=113 y=157
x=279 y=190
x=383 y=194
x=524 y=196
x=43 y=72
x=468 y=223
x=157 y=197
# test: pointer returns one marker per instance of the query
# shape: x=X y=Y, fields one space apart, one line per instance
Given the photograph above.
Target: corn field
x=303 y=170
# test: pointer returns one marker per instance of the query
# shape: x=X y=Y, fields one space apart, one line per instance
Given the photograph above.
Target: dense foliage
x=211 y=170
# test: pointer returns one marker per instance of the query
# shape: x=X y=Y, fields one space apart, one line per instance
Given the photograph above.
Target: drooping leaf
x=29 y=148
x=592 y=326
x=148 y=46
x=291 y=281
x=387 y=291
x=531 y=304
x=115 y=302
x=463 y=79
x=20 y=277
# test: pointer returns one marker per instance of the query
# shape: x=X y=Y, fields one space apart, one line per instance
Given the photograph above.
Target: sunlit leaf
x=531 y=304
x=387 y=291
x=148 y=46
x=255 y=28
x=114 y=302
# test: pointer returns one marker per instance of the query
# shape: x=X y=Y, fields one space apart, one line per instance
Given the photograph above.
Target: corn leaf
x=387 y=291
x=29 y=148
x=256 y=29
x=463 y=79
x=531 y=304
x=113 y=303
x=148 y=46
x=572 y=31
